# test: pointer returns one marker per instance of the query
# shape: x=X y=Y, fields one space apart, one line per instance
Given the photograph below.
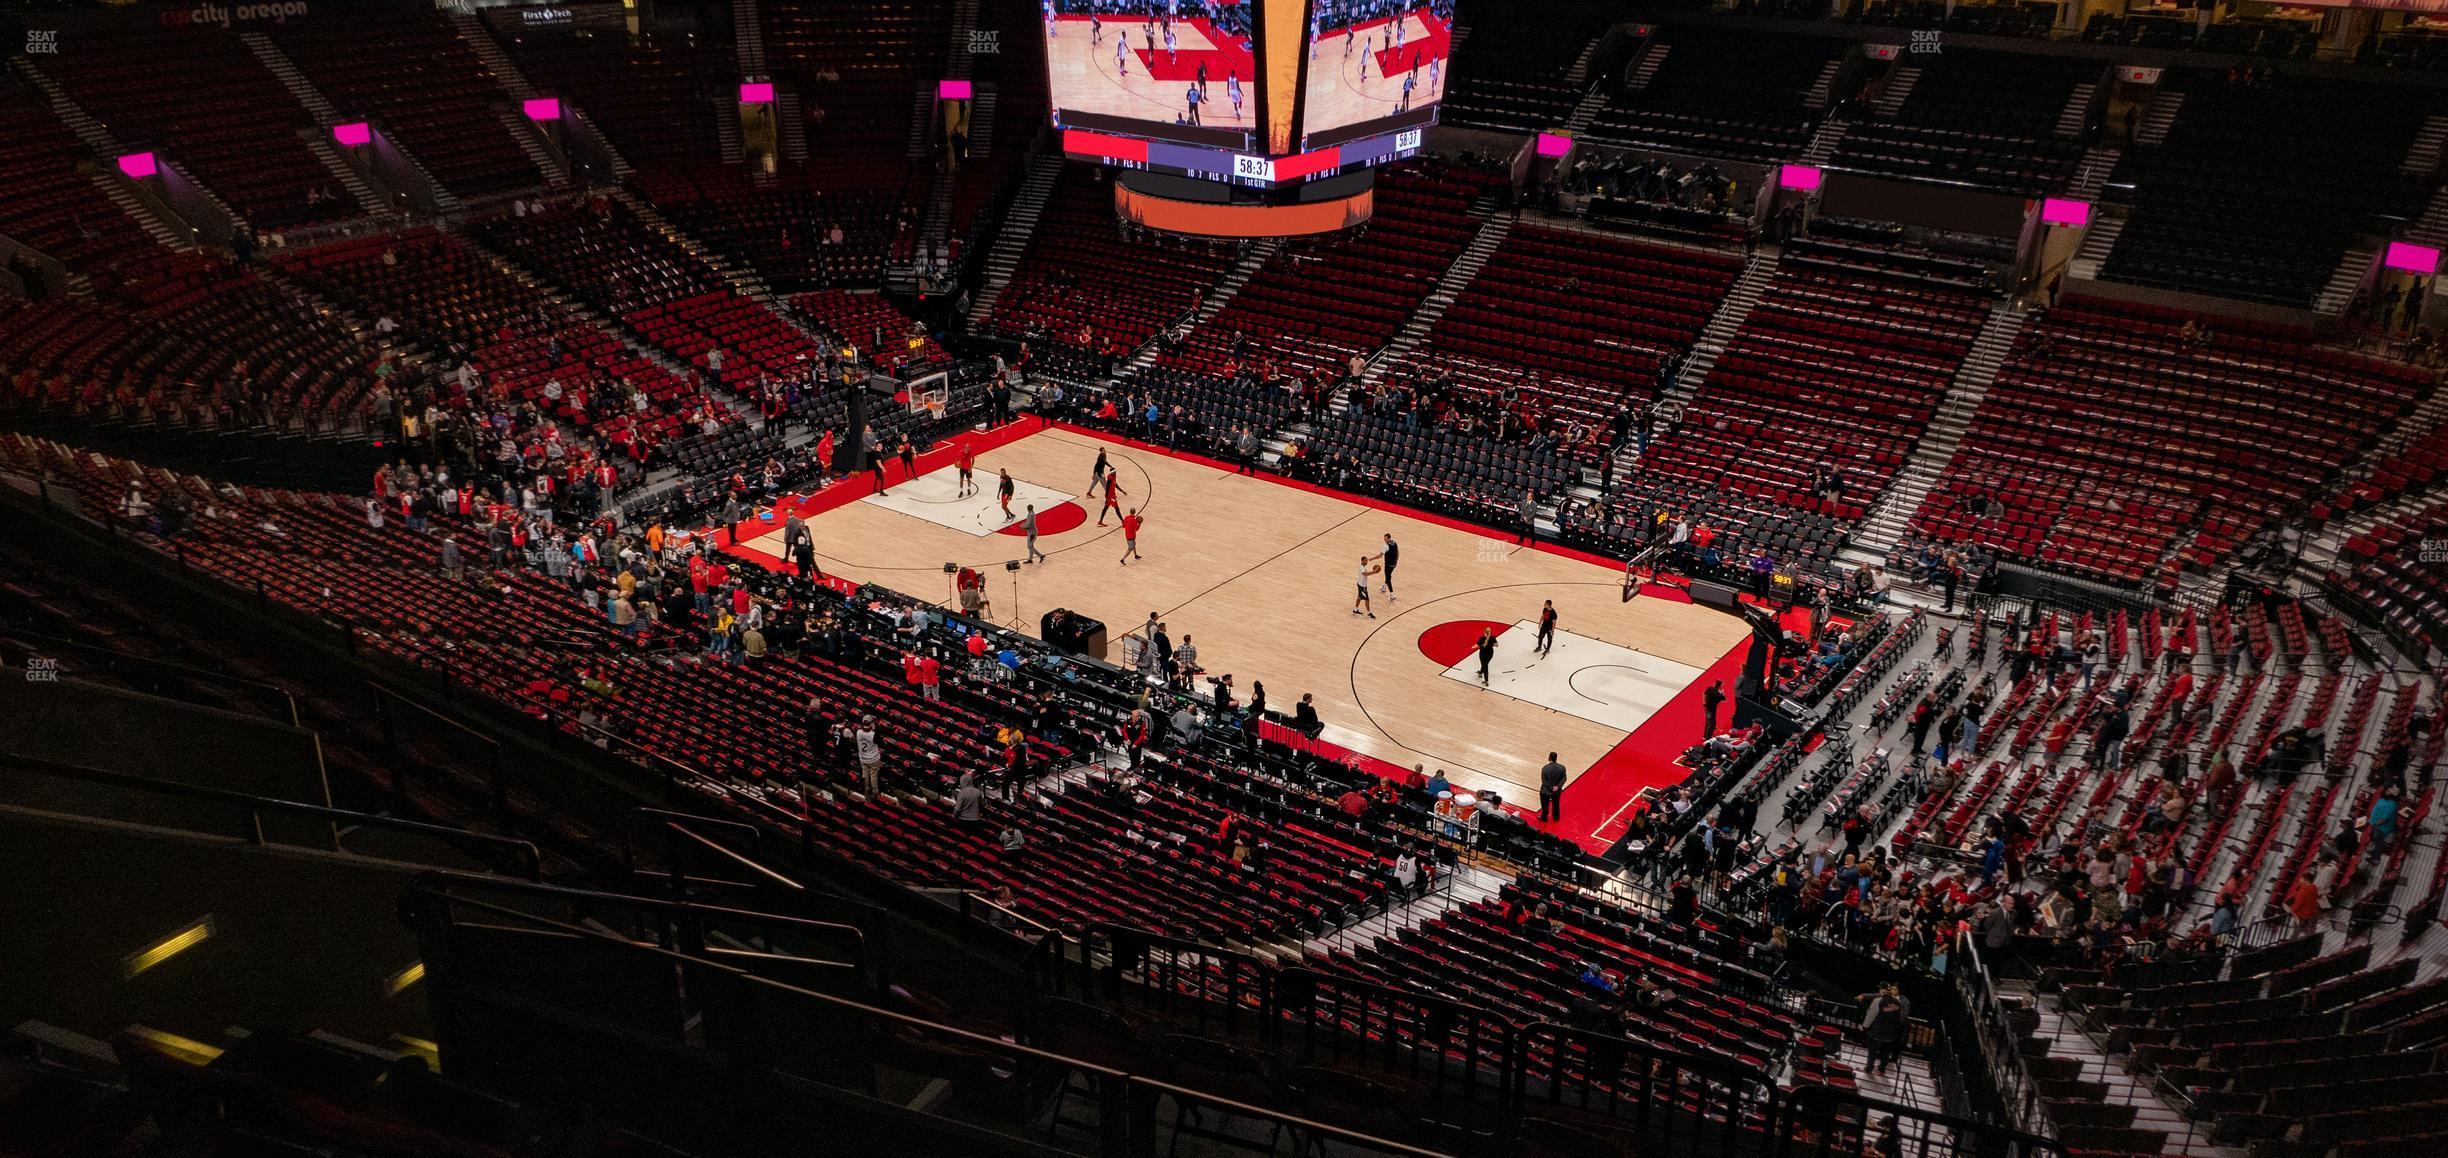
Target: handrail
x=548 y=889
x=524 y=851
x=1996 y=1039
x=679 y=874
x=678 y=822
x=178 y=669
x=967 y=899
x=994 y=1045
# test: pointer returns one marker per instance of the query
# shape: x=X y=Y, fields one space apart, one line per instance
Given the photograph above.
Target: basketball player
x=1096 y=474
x=1113 y=495
x=909 y=459
x=1367 y=49
x=1096 y=27
x=1130 y=536
x=1171 y=57
x=1232 y=88
x=1028 y=522
x=1122 y=54
x=1392 y=555
x=1003 y=494
x=1360 y=598
x=1487 y=652
x=1546 y=631
x=968 y=464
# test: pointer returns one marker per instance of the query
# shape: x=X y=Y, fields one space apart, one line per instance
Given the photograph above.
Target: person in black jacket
x=1551 y=790
x=1305 y=718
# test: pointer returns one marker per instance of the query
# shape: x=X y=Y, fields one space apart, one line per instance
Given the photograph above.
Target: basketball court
x=1260 y=573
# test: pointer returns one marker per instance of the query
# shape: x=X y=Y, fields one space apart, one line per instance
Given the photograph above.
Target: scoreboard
x=1259 y=94
x=1253 y=170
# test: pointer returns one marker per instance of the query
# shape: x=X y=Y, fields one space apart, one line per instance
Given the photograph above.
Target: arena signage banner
x=233 y=15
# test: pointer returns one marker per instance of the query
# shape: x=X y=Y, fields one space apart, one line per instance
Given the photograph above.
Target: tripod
x=1013 y=570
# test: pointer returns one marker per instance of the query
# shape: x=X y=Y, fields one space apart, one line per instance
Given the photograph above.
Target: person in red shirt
x=1130 y=536
x=2304 y=902
x=968 y=464
x=740 y=601
x=1353 y=804
x=977 y=652
x=930 y=677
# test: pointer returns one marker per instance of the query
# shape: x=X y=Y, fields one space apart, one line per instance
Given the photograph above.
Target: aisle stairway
x=2159 y=118
x=1743 y=296
x=1252 y=259
x=146 y=210
x=1449 y=286
x=1876 y=537
x=2075 y=118
x=1019 y=224
x=2097 y=243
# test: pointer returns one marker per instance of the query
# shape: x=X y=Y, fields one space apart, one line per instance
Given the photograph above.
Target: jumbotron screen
x=1373 y=64
x=1199 y=87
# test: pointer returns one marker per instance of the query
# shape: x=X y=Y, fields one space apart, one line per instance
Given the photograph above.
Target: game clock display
x=1260 y=93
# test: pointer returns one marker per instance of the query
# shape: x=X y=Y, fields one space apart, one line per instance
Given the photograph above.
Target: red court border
x=1597 y=803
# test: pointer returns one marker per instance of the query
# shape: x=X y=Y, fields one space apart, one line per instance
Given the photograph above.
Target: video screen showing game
x=1169 y=69
x=1374 y=66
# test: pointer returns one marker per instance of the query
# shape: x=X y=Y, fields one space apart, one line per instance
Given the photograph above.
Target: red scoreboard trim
x=1316 y=161
x=1100 y=145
